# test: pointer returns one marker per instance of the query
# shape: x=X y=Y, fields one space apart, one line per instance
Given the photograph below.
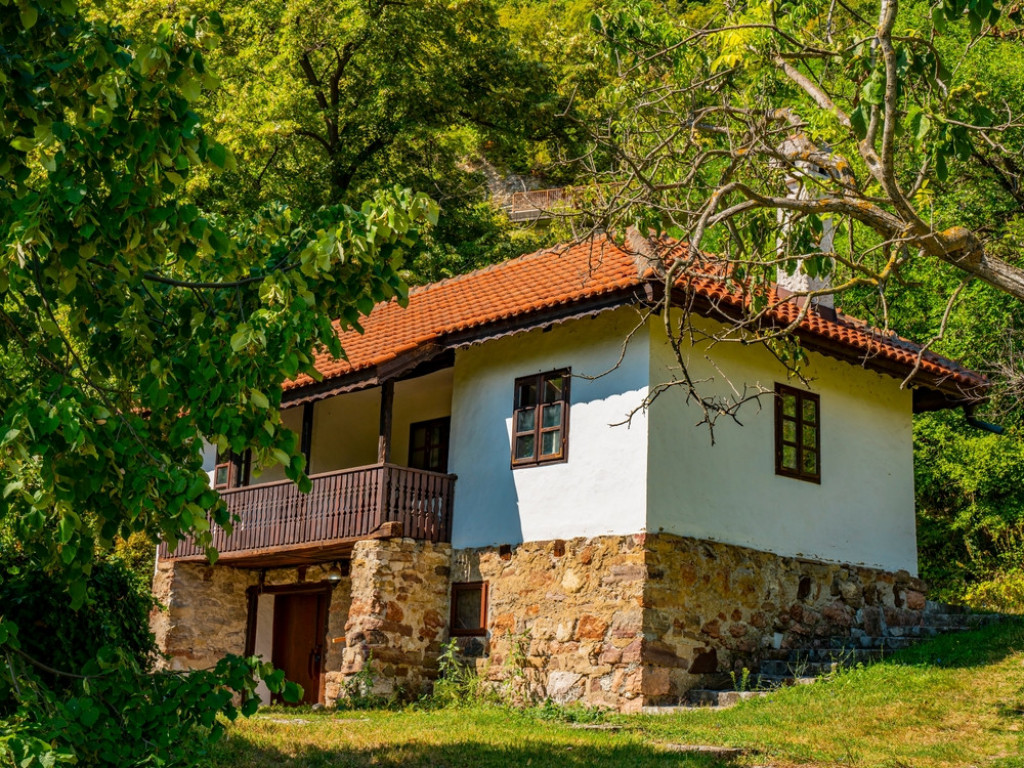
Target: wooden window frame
x=801 y=396
x=239 y=470
x=538 y=379
x=465 y=586
x=445 y=422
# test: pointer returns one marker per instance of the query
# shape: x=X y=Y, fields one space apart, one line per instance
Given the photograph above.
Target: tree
x=324 y=102
x=134 y=326
x=722 y=122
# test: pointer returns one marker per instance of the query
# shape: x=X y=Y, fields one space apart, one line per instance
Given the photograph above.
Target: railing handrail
x=332 y=473
x=346 y=504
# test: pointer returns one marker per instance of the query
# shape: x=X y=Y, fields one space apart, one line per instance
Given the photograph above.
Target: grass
x=954 y=701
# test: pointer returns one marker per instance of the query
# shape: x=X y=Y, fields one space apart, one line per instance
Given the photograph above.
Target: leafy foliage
x=136 y=326
x=325 y=102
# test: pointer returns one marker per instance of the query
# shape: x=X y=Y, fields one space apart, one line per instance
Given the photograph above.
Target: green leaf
x=242 y=337
x=218 y=155
x=859 y=123
x=29 y=16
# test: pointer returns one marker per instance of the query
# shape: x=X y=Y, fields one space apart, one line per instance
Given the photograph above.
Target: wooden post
x=306 y=438
x=387 y=401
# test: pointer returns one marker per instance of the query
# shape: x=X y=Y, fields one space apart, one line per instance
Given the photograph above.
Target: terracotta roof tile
x=579 y=274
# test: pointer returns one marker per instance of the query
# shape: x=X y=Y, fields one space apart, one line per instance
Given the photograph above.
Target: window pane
x=525 y=447
x=553 y=389
x=526 y=421
x=810 y=462
x=789 y=431
x=526 y=395
x=220 y=476
x=789 y=405
x=419 y=438
x=789 y=457
x=551 y=443
x=810 y=410
x=810 y=435
x=467 y=608
x=552 y=415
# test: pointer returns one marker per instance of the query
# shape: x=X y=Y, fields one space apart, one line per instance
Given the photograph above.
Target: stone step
x=800 y=668
x=847 y=656
x=705 y=697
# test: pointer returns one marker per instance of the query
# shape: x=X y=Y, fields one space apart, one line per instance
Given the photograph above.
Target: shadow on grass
x=236 y=752
x=961 y=650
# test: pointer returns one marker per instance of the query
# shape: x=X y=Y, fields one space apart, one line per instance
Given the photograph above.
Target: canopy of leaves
x=136 y=325
x=323 y=102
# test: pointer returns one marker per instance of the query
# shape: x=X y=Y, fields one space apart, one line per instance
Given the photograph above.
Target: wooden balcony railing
x=343 y=506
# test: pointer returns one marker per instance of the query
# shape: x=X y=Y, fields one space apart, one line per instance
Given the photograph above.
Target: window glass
x=789 y=405
x=525 y=446
x=810 y=410
x=469 y=609
x=797 y=434
x=552 y=415
x=526 y=394
x=553 y=389
x=526 y=421
x=789 y=457
x=540 y=428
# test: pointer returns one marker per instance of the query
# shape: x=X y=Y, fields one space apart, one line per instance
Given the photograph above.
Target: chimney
x=800 y=173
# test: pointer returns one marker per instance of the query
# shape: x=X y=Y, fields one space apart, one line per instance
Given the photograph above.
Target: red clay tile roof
x=583 y=275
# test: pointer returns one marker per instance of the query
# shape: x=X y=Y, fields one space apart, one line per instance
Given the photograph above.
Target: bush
x=1003 y=593
x=79 y=686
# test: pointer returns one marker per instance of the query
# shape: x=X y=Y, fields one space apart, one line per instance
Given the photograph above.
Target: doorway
x=294 y=621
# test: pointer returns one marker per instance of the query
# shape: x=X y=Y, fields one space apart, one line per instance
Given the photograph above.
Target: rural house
x=483 y=469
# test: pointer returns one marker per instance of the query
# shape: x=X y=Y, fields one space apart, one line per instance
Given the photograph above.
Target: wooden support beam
x=387 y=401
x=306 y=438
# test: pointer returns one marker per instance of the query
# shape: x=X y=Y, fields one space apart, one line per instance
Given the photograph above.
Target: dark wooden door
x=298 y=640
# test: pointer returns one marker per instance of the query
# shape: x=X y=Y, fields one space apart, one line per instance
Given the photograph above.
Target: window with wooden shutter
x=797 y=434
x=540 y=419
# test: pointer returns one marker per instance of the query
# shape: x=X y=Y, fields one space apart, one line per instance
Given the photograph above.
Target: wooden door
x=299 y=628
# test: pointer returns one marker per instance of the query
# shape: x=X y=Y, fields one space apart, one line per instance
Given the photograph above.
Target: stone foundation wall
x=616 y=621
x=715 y=607
x=205 y=612
x=398 y=614
x=574 y=607
x=628 y=621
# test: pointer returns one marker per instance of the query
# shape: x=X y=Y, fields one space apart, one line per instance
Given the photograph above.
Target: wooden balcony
x=278 y=526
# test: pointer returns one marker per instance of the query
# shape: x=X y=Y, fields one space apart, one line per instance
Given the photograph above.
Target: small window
x=232 y=470
x=428 y=444
x=797 y=434
x=540 y=419
x=469 y=609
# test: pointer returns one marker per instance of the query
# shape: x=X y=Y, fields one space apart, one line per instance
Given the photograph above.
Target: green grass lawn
x=955 y=701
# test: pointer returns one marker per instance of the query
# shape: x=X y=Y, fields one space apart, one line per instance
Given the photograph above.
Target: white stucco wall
x=863 y=510
x=264 y=645
x=344 y=431
x=601 y=488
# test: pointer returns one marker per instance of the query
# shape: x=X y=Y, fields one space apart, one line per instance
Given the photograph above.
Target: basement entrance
x=288 y=627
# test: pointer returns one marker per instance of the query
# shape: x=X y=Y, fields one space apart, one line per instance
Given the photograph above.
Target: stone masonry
x=615 y=621
x=398 y=614
x=631 y=621
x=205 y=612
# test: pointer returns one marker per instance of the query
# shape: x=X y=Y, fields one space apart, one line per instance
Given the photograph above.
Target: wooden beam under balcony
x=277 y=526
